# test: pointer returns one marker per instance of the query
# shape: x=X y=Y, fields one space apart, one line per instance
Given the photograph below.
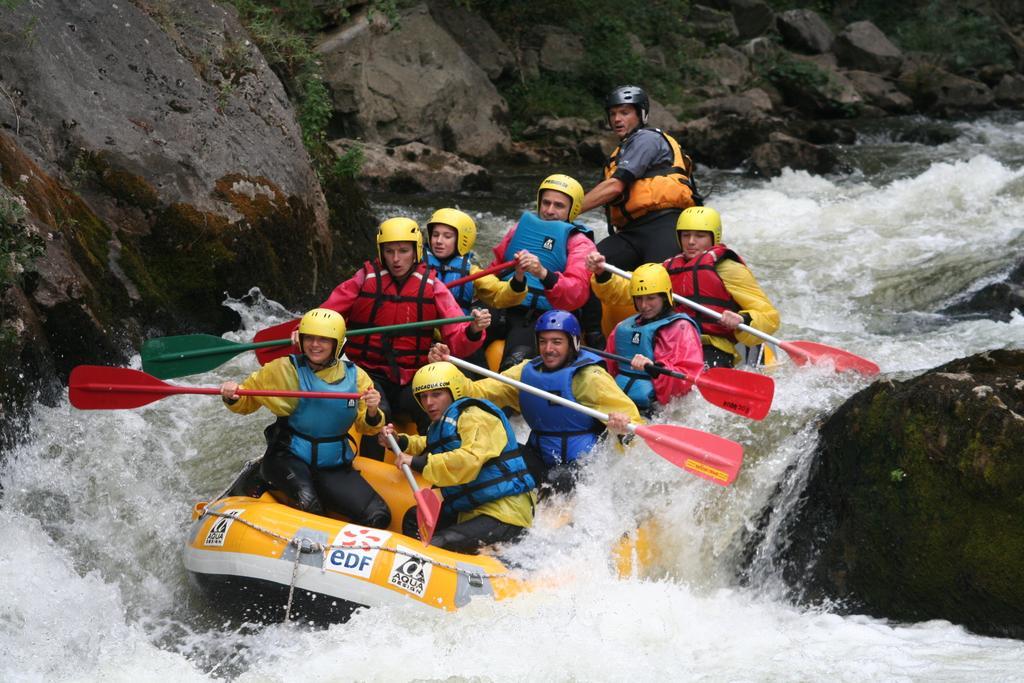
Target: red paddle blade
x=428 y=512
x=95 y=387
x=280 y=331
x=708 y=456
x=744 y=393
x=804 y=352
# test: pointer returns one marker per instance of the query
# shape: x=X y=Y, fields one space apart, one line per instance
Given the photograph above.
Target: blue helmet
x=560 y=321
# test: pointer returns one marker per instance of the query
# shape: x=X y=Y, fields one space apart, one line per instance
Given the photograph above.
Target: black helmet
x=629 y=94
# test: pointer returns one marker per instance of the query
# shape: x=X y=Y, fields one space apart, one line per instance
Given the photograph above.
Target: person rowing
x=656 y=338
x=560 y=438
x=398 y=288
x=470 y=451
x=309 y=457
x=708 y=273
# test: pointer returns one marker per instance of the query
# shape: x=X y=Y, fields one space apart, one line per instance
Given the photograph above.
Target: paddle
x=489 y=270
x=705 y=455
x=744 y=393
x=283 y=332
x=428 y=507
x=190 y=354
x=96 y=387
x=802 y=352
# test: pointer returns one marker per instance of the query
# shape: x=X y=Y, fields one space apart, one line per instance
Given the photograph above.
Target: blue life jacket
x=559 y=434
x=549 y=242
x=452 y=269
x=503 y=475
x=319 y=426
x=633 y=337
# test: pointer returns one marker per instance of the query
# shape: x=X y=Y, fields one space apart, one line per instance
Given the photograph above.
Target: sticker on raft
x=410 y=572
x=218 y=533
x=358 y=551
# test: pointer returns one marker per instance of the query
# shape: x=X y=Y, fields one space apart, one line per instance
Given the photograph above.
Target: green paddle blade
x=190 y=354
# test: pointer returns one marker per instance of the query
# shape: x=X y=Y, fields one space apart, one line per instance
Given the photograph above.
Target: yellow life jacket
x=661 y=187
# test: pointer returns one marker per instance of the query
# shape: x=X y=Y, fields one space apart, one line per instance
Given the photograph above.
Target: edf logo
x=356 y=562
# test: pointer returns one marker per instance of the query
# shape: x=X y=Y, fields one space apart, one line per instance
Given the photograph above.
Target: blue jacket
x=549 y=242
x=319 y=426
x=559 y=434
x=503 y=475
x=632 y=338
x=453 y=269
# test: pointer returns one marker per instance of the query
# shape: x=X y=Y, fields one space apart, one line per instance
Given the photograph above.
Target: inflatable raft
x=261 y=560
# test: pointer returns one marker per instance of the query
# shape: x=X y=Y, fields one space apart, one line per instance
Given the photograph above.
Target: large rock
x=996 y=301
x=785 y=151
x=161 y=156
x=862 y=46
x=1010 y=91
x=728 y=66
x=414 y=167
x=412 y=82
x=939 y=92
x=914 y=509
x=880 y=92
x=815 y=86
x=475 y=36
x=804 y=30
x=724 y=139
x=554 y=49
x=708 y=22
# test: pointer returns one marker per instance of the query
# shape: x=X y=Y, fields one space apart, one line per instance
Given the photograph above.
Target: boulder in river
x=914 y=509
x=996 y=301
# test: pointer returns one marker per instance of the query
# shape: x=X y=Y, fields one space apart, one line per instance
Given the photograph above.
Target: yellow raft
x=262 y=560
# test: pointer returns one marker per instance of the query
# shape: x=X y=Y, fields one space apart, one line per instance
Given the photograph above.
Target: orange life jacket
x=669 y=186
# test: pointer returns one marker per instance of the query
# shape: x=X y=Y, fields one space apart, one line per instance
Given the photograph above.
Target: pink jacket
x=678 y=347
x=572 y=288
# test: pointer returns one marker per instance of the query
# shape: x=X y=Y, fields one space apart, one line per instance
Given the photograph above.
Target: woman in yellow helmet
x=709 y=273
x=398 y=288
x=309 y=457
x=470 y=451
x=655 y=338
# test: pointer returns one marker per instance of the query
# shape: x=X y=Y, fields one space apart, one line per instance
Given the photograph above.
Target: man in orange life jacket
x=647 y=183
x=711 y=274
x=402 y=290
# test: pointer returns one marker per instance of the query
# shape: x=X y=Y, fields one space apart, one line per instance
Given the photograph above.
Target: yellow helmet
x=702 y=219
x=400 y=229
x=566 y=185
x=650 y=278
x=442 y=375
x=461 y=223
x=323 y=322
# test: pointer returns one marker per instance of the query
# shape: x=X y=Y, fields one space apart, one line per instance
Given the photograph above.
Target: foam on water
x=96 y=503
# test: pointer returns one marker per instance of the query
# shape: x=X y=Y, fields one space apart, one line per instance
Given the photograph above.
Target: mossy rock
x=915 y=507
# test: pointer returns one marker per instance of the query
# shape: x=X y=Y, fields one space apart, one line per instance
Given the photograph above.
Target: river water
x=95 y=504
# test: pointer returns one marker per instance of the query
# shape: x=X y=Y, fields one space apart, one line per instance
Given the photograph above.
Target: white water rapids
x=95 y=504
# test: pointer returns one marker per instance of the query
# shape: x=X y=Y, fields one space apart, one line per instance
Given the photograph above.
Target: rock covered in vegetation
x=410 y=81
x=162 y=159
x=915 y=507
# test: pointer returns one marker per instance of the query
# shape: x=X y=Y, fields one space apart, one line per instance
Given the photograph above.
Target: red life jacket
x=698 y=281
x=381 y=303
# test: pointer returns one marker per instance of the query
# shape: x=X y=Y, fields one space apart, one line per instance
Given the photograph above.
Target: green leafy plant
x=20 y=243
x=897 y=475
x=349 y=164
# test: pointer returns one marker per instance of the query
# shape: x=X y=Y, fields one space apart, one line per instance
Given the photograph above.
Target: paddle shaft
x=703 y=309
x=489 y=270
x=651 y=368
x=169 y=390
x=405 y=468
x=239 y=348
x=596 y=414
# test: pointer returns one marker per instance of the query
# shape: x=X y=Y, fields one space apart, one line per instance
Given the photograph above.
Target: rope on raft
x=307 y=546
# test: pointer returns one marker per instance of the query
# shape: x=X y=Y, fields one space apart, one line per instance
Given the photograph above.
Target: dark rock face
x=785 y=151
x=805 y=31
x=862 y=46
x=162 y=158
x=997 y=301
x=915 y=508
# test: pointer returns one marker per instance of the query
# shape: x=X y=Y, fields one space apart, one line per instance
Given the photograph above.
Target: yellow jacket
x=496 y=293
x=591 y=385
x=742 y=287
x=483 y=437
x=280 y=374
